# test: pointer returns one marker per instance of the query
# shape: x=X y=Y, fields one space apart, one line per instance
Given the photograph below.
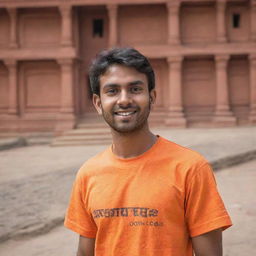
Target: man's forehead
x=120 y=71
x=120 y=75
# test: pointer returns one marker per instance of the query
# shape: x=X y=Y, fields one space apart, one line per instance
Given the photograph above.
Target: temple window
x=236 y=18
x=98 y=30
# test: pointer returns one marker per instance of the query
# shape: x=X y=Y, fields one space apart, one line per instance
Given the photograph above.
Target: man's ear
x=152 y=96
x=97 y=103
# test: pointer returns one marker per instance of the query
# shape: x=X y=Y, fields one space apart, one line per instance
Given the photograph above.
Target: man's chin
x=124 y=130
x=128 y=128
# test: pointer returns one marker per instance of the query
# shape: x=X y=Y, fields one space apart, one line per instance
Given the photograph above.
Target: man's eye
x=136 y=89
x=112 y=91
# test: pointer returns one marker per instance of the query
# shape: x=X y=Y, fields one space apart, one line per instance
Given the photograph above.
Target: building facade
x=203 y=53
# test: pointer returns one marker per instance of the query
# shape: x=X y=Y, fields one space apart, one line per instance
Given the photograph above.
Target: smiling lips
x=125 y=113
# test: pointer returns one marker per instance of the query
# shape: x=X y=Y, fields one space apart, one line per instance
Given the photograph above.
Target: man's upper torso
x=148 y=205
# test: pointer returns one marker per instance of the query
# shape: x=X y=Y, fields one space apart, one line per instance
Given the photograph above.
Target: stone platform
x=35 y=181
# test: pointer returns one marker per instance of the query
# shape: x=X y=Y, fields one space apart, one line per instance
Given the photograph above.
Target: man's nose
x=124 y=98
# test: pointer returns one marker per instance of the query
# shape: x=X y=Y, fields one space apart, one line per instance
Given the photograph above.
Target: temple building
x=203 y=53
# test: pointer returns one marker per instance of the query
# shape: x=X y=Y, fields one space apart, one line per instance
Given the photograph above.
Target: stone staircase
x=92 y=130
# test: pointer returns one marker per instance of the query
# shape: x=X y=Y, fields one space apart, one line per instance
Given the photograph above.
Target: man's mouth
x=125 y=113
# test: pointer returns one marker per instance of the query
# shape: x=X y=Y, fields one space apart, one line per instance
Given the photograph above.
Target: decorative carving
x=175 y=62
x=66 y=26
x=10 y=63
x=221 y=27
x=173 y=6
x=221 y=61
x=112 y=13
x=173 y=22
x=112 y=9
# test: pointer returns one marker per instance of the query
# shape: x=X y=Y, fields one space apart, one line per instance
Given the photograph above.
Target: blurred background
x=203 y=53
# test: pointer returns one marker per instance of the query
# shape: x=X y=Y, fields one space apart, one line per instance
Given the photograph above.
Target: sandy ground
x=35 y=181
x=237 y=187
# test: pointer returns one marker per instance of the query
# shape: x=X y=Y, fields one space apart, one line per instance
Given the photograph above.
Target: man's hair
x=128 y=57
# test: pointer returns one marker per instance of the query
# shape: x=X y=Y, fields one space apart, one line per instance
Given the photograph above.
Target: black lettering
x=153 y=213
x=144 y=212
x=96 y=214
x=116 y=212
x=101 y=212
x=124 y=212
x=136 y=211
x=107 y=213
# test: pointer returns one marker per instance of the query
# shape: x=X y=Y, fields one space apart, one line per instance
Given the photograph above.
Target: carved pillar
x=13 y=95
x=252 y=115
x=253 y=20
x=173 y=8
x=13 y=27
x=66 y=119
x=223 y=114
x=67 y=94
x=112 y=15
x=175 y=115
x=221 y=21
x=66 y=25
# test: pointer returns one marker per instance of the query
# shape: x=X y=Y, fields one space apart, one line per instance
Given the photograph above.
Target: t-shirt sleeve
x=78 y=217
x=204 y=208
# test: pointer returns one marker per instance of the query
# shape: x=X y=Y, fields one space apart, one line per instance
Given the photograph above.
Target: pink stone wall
x=239 y=87
x=242 y=33
x=3 y=88
x=4 y=29
x=40 y=86
x=161 y=72
x=199 y=85
x=198 y=23
x=143 y=24
x=205 y=67
x=89 y=46
x=39 y=27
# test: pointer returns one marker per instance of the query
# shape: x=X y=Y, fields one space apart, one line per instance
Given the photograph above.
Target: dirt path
x=237 y=187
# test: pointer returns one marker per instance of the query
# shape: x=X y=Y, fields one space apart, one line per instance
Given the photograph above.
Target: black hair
x=128 y=57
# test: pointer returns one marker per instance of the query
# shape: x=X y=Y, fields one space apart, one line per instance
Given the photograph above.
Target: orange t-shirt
x=147 y=205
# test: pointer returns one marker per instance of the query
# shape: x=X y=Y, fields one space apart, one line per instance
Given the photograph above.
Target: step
x=87 y=131
x=84 y=137
x=91 y=125
x=81 y=143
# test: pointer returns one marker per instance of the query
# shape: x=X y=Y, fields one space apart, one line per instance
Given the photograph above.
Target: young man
x=144 y=195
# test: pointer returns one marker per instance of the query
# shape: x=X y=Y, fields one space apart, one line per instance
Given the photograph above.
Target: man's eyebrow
x=136 y=82
x=110 y=85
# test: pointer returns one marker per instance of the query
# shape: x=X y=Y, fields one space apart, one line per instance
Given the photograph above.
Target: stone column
x=112 y=15
x=66 y=119
x=67 y=94
x=223 y=115
x=13 y=27
x=66 y=25
x=175 y=115
x=13 y=94
x=173 y=8
x=253 y=20
x=221 y=21
x=252 y=115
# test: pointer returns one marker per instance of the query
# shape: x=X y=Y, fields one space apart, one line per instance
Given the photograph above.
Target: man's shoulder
x=94 y=163
x=180 y=154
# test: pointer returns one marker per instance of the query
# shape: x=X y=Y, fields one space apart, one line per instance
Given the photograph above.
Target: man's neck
x=127 y=145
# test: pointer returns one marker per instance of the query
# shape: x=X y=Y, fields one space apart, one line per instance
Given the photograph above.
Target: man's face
x=124 y=99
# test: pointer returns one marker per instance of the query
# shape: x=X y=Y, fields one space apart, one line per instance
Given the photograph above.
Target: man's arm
x=208 y=244
x=86 y=246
